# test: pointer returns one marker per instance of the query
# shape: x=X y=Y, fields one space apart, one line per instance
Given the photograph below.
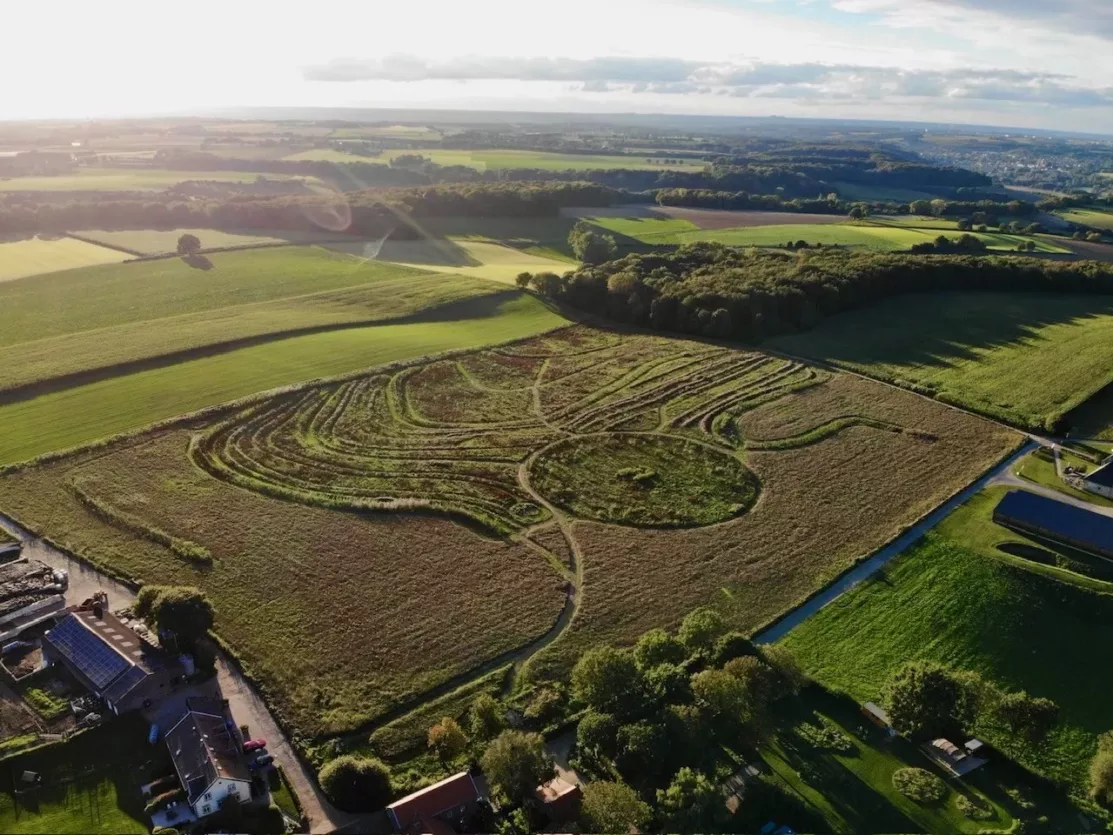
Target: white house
x=208 y=756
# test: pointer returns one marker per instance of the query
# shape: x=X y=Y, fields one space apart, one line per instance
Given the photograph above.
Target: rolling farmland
x=86 y=413
x=481 y=259
x=20 y=259
x=1088 y=217
x=1022 y=358
x=104 y=318
x=124 y=179
x=697 y=460
x=159 y=241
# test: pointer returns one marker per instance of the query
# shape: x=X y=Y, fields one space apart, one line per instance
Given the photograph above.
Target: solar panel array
x=124 y=683
x=1059 y=520
x=97 y=662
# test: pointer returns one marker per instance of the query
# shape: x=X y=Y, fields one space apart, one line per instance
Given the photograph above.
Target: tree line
x=750 y=294
x=371 y=211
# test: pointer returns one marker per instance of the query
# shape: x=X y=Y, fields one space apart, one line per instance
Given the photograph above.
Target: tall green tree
x=692 y=803
x=516 y=763
x=183 y=610
x=447 y=740
x=485 y=718
x=613 y=807
x=356 y=784
x=609 y=681
x=700 y=630
x=926 y=700
x=658 y=647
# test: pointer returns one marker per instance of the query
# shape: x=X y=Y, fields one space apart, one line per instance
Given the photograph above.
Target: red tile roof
x=449 y=794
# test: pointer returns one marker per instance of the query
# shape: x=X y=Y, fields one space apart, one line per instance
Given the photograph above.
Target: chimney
x=98 y=610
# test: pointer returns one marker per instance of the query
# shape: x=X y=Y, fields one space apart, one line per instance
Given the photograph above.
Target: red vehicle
x=254 y=745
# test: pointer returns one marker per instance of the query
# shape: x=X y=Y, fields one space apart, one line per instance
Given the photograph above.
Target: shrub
x=356 y=784
x=447 y=740
x=1101 y=771
x=485 y=719
x=974 y=808
x=1031 y=715
x=919 y=785
x=826 y=735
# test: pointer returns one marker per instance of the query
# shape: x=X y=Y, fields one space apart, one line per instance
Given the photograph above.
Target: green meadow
x=98 y=410
x=1025 y=358
x=34 y=256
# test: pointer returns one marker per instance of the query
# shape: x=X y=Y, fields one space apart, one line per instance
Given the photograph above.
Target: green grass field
x=497 y=159
x=158 y=241
x=334 y=155
x=1022 y=357
x=857 y=191
x=124 y=179
x=886 y=234
x=79 y=415
x=477 y=259
x=90 y=784
x=1088 y=217
x=958 y=599
x=20 y=259
x=101 y=317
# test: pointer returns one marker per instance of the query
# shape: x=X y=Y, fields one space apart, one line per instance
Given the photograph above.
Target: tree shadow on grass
x=939 y=329
x=198 y=261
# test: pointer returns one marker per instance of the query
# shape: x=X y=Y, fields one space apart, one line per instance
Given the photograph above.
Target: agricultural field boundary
x=29 y=391
x=869 y=565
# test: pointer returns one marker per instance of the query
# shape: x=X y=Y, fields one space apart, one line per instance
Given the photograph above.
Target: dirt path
x=247 y=706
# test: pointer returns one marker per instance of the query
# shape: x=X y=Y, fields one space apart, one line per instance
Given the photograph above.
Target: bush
x=356 y=784
x=596 y=735
x=925 y=700
x=516 y=763
x=613 y=807
x=658 y=647
x=919 y=785
x=974 y=808
x=732 y=645
x=1101 y=771
x=825 y=735
x=485 y=719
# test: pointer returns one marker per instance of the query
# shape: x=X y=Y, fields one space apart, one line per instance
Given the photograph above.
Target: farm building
x=877 y=715
x=110 y=659
x=1055 y=520
x=1100 y=481
x=208 y=756
x=957 y=761
x=441 y=808
x=560 y=799
x=30 y=593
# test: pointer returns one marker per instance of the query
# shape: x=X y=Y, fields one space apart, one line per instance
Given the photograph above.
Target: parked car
x=254 y=745
x=262 y=761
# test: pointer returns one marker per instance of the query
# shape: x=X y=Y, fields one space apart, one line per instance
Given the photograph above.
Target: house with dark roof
x=441 y=808
x=110 y=659
x=1100 y=481
x=208 y=756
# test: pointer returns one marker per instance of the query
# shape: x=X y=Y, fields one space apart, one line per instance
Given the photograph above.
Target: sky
x=1022 y=63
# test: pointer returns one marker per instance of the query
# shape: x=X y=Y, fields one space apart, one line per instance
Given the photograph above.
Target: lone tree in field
x=183 y=610
x=447 y=740
x=189 y=244
x=613 y=807
x=356 y=784
x=517 y=763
